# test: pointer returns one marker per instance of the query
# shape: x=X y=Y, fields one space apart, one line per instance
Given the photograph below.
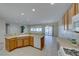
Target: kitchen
x=39 y=32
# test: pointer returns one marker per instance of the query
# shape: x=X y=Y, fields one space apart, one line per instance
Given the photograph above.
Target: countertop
x=65 y=43
x=22 y=35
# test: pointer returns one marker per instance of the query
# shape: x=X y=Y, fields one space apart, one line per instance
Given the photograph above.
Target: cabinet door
x=31 y=41
x=7 y=43
x=12 y=43
x=73 y=10
x=42 y=42
x=26 y=41
x=19 y=42
x=66 y=21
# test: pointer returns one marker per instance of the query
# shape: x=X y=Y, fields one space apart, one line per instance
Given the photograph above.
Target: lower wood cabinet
x=7 y=44
x=17 y=42
x=10 y=44
x=31 y=41
x=26 y=41
x=42 y=43
x=13 y=44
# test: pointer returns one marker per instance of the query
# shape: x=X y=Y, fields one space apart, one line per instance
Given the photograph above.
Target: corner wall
x=2 y=30
x=2 y=34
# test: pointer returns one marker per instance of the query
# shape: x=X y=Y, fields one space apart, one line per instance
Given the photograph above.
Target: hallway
x=51 y=46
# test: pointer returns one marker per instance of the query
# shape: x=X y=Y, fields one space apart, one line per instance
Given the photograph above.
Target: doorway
x=49 y=30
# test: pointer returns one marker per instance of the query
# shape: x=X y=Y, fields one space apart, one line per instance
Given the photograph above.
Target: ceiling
x=44 y=12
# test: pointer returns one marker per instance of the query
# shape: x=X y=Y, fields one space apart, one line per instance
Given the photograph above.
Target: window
x=32 y=29
x=36 y=29
x=39 y=29
x=22 y=29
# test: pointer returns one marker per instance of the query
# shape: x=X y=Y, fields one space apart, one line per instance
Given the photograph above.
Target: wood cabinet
x=11 y=46
x=26 y=41
x=72 y=11
x=7 y=44
x=66 y=20
x=18 y=42
x=31 y=41
x=42 y=43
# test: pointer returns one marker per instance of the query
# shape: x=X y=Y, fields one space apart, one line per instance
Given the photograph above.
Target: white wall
x=2 y=30
x=68 y=34
x=14 y=29
x=55 y=28
x=2 y=34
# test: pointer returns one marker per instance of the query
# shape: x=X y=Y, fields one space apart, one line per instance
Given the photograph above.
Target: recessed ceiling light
x=51 y=3
x=22 y=14
x=33 y=10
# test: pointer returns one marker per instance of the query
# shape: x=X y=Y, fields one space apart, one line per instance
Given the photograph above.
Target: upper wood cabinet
x=66 y=20
x=72 y=11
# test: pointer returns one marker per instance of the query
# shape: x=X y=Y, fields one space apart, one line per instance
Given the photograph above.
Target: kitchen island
x=24 y=40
